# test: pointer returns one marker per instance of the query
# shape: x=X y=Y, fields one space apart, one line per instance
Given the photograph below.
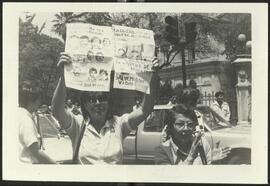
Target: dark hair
x=84 y=37
x=92 y=69
x=178 y=109
x=28 y=93
x=192 y=84
x=138 y=97
x=103 y=71
x=189 y=96
x=219 y=93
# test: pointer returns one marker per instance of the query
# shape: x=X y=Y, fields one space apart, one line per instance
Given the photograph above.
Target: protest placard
x=94 y=50
x=134 y=50
x=91 y=50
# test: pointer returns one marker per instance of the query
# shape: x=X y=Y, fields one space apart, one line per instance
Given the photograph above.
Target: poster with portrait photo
x=136 y=46
x=91 y=49
x=87 y=77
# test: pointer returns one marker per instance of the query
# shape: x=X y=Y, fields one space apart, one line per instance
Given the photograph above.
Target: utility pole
x=176 y=35
x=184 y=67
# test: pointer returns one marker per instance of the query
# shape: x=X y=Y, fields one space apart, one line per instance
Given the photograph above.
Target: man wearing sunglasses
x=98 y=137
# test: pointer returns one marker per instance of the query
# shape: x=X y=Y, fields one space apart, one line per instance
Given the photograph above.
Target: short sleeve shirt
x=223 y=109
x=27 y=135
x=105 y=147
x=197 y=161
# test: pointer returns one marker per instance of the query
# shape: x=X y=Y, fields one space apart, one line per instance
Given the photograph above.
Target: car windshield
x=154 y=121
x=48 y=126
x=212 y=119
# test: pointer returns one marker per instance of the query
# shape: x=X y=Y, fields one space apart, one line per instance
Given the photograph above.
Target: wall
x=211 y=76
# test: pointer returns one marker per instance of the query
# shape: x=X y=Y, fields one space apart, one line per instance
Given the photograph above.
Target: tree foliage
x=62 y=18
x=218 y=33
x=38 y=55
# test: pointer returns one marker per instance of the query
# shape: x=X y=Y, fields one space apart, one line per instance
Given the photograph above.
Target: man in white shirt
x=221 y=107
x=29 y=138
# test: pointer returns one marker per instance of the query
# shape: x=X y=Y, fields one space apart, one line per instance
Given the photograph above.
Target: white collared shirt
x=223 y=110
x=197 y=161
x=27 y=134
x=105 y=147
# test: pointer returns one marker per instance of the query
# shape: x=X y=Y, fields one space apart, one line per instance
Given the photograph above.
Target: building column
x=243 y=90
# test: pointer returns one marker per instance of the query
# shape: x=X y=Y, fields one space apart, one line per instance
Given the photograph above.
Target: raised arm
x=138 y=115
x=59 y=96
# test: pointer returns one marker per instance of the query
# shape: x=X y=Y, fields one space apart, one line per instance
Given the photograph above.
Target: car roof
x=170 y=106
x=163 y=107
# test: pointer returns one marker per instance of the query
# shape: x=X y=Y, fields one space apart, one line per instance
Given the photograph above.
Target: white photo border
x=254 y=173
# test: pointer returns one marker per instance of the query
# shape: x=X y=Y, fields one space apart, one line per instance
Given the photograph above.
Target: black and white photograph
x=198 y=116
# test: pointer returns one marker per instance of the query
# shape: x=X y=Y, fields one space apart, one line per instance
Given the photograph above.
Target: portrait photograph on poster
x=102 y=93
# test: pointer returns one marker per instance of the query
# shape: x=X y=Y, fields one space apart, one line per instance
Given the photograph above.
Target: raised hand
x=220 y=153
x=194 y=148
x=64 y=59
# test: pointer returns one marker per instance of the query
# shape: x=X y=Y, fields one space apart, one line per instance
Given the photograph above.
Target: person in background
x=193 y=85
x=138 y=102
x=29 y=137
x=221 y=107
x=173 y=100
x=98 y=137
x=69 y=104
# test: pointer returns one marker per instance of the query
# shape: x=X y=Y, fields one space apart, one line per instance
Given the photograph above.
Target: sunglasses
x=97 y=98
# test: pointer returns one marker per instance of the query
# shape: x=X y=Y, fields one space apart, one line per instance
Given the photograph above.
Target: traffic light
x=190 y=31
x=172 y=30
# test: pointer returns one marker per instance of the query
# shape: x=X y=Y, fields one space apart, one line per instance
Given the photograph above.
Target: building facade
x=211 y=76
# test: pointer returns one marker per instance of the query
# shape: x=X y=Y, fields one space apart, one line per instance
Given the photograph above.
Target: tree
x=38 y=55
x=62 y=19
x=217 y=33
x=166 y=91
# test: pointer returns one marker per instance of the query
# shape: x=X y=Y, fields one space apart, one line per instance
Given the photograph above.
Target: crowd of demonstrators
x=220 y=106
x=29 y=134
x=97 y=138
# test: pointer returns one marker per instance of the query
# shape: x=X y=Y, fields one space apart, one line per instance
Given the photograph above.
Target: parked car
x=54 y=142
x=140 y=144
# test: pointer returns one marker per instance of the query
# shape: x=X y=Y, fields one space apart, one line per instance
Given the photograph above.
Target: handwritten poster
x=134 y=50
x=91 y=50
x=96 y=49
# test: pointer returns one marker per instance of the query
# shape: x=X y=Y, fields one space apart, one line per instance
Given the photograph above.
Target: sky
x=41 y=17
